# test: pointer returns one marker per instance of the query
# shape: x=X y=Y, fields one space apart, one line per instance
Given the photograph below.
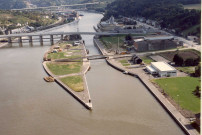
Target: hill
x=17 y=4
x=169 y=13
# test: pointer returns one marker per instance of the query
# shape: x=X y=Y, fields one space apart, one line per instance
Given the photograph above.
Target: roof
x=138 y=40
x=158 y=37
x=151 y=69
x=162 y=66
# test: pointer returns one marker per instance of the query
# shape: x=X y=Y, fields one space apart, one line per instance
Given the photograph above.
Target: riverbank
x=60 y=22
x=183 y=122
x=72 y=70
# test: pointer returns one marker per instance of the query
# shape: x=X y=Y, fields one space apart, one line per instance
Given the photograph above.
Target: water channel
x=30 y=106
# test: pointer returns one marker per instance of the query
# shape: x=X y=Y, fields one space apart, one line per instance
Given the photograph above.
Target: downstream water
x=30 y=106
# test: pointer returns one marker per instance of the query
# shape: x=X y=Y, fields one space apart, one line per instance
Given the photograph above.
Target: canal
x=30 y=106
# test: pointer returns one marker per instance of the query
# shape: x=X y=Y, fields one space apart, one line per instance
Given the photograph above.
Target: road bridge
x=30 y=36
x=72 y=5
x=94 y=57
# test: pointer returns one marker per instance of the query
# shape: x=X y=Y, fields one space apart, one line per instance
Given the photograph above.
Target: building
x=162 y=69
x=109 y=25
x=154 y=43
x=136 y=60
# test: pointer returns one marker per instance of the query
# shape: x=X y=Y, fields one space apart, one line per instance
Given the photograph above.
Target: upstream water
x=30 y=106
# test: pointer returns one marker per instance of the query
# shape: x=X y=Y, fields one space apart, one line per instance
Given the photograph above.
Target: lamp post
x=178 y=101
x=118 y=45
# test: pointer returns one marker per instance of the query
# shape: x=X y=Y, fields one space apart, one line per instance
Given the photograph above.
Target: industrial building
x=154 y=43
x=163 y=69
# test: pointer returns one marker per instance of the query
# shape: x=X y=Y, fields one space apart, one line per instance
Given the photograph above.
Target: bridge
x=94 y=57
x=30 y=36
x=83 y=4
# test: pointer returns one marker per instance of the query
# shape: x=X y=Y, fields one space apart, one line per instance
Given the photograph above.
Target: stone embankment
x=183 y=122
x=84 y=96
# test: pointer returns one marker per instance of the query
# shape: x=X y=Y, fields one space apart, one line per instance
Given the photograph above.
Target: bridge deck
x=62 y=33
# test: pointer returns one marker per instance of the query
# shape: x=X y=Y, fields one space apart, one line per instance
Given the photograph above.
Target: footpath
x=183 y=122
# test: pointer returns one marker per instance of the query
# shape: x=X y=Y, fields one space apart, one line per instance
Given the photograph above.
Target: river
x=30 y=106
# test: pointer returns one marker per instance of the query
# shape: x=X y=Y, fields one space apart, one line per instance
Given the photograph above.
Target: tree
x=198 y=70
x=128 y=37
x=178 y=60
x=189 y=62
x=197 y=91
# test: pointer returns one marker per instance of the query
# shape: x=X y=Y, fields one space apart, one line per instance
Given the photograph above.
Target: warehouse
x=162 y=69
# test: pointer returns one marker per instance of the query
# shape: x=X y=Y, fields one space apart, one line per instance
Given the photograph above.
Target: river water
x=30 y=106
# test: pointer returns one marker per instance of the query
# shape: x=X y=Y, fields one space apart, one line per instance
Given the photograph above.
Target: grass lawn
x=188 y=70
x=147 y=60
x=182 y=86
x=112 y=41
x=63 y=69
x=124 y=62
x=59 y=55
x=74 y=82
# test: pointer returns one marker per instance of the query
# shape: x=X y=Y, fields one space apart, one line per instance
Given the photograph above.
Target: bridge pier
x=20 y=41
x=9 y=42
x=30 y=41
x=62 y=37
x=41 y=40
x=51 y=40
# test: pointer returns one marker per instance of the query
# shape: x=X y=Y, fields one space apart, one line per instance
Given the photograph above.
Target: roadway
x=92 y=3
x=62 y=33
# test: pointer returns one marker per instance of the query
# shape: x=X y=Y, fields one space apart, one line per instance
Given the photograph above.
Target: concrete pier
x=41 y=40
x=20 y=41
x=9 y=40
x=62 y=37
x=30 y=39
x=51 y=40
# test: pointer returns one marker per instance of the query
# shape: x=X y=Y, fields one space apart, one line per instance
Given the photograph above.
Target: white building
x=163 y=69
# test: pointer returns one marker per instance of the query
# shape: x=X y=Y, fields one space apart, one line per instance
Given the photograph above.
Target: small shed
x=136 y=60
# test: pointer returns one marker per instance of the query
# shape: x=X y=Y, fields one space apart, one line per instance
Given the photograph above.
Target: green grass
x=112 y=41
x=188 y=70
x=182 y=86
x=193 y=6
x=124 y=62
x=63 y=69
x=77 y=57
x=63 y=44
x=59 y=55
x=147 y=60
x=74 y=82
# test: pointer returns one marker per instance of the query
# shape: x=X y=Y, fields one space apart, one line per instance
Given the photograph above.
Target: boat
x=125 y=72
x=49 y=79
